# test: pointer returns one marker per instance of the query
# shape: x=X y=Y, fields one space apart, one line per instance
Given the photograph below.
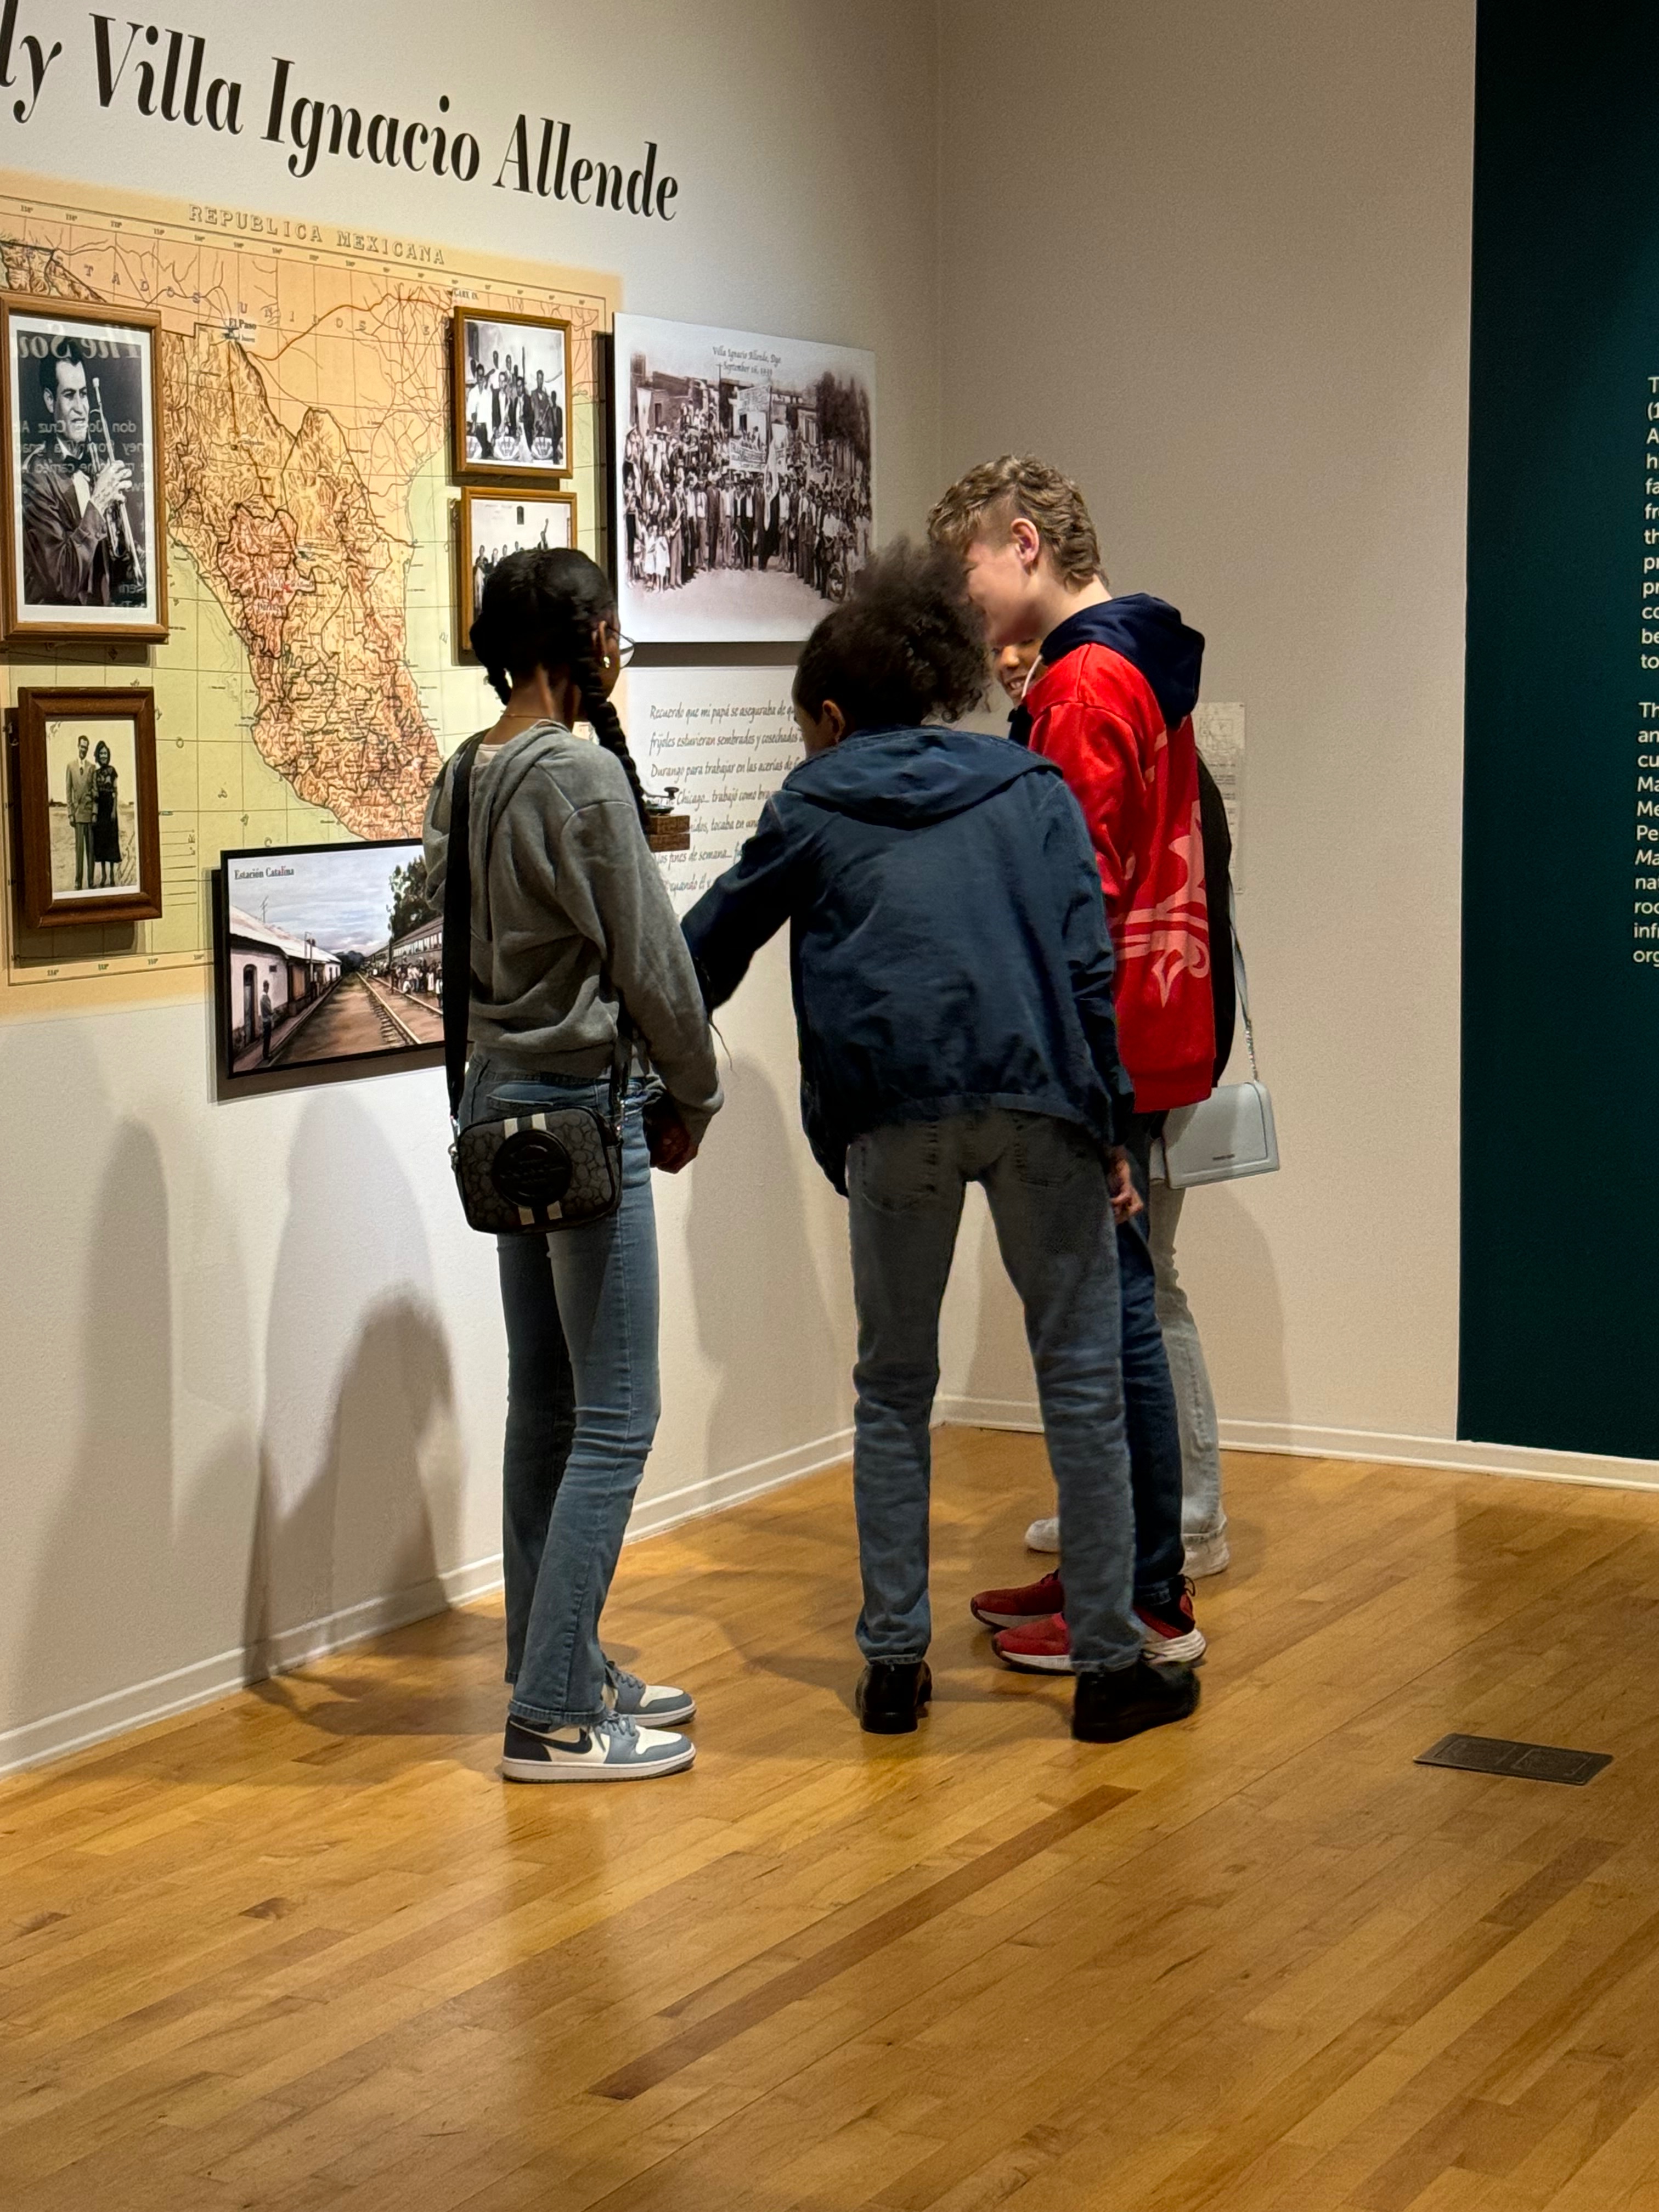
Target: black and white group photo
x=744 y=468
x=495 y=524
x=513 y=391
x=81 y=454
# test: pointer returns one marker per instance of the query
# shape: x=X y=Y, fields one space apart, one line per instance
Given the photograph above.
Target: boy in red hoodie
x=1109 y=701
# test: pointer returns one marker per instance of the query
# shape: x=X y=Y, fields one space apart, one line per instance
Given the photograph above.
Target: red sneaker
x=1169 y=1634
x=1041 y=1647
x=1014 y=1609
x=1169 y=1637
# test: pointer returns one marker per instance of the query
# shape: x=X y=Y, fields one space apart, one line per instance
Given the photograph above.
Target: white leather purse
x=1229 y=1134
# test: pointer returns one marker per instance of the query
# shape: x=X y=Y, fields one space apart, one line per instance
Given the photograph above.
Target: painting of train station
x=329 y=953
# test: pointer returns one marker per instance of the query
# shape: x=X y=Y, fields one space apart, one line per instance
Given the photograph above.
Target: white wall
x=253 y=1358
x=1214 y=260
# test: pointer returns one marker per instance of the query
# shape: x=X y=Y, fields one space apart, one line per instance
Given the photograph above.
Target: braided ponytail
x=598 y=711
x=537 y=611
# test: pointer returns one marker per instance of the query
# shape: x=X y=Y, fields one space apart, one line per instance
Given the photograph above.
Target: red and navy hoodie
x=1110 y=702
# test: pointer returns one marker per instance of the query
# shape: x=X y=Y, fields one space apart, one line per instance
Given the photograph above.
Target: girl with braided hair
x=574 y=947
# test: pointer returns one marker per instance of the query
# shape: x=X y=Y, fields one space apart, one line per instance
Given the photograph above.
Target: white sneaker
x=1207 y=1555
x=614 y=1749
x=658 y=1705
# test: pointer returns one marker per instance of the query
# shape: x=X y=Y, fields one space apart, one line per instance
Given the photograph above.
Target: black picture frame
x=311 y=989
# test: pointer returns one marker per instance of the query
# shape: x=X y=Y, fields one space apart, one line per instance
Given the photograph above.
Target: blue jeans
x=582 y=1401
x=1149 y=1393
x=1203 y=1518
x=1047 y=1188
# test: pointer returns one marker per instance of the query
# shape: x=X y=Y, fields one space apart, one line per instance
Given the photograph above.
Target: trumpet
x=123 y=545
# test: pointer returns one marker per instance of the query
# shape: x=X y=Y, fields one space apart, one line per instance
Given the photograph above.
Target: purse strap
x=457 y=953
x=1242 y=979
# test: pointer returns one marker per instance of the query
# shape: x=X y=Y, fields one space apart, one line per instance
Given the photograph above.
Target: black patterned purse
x=552 y=1166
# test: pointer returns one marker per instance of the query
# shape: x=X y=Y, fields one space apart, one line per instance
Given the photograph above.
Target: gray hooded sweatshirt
x=571 y=915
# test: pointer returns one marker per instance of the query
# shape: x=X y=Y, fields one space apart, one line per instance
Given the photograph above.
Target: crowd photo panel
x=81 y=448
x=743 y=472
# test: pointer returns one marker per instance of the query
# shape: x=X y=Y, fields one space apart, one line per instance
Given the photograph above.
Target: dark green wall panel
x=1560 y=1153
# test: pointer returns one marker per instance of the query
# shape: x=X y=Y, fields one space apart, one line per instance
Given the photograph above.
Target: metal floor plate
x=1527 y=1762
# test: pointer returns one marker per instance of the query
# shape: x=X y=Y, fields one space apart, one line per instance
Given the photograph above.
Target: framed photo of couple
x=83 y=789
x=512 y=410
x=84 y=546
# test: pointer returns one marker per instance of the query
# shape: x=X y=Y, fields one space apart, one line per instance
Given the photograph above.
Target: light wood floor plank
x=303 y=1951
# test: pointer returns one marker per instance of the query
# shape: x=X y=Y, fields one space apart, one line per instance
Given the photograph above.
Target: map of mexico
x=304 y=404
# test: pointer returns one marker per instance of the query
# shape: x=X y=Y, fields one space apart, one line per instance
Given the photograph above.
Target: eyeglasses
x=624 y=648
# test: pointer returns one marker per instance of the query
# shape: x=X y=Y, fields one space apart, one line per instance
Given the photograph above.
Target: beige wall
x=253 y=1365
x=1214 y=260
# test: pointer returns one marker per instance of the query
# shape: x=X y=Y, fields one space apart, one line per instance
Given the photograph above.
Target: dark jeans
x=1154 y=1426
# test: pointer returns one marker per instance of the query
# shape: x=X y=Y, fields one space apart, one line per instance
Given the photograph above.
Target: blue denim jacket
x=948 y=941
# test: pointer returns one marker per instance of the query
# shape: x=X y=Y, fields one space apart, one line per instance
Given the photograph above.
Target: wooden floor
x=303 y=1949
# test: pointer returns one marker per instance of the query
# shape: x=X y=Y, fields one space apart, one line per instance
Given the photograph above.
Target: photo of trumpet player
x=81 y=455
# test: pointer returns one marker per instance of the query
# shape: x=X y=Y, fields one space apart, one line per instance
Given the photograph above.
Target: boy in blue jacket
x=952 y=979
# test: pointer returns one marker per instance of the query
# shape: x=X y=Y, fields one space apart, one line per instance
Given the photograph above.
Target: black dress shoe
x=1110 y=1707
x=892 y=1695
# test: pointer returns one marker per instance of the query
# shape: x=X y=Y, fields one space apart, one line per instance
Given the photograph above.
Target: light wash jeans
x=1046 y=1187
x=582 y=1401
x=1202 y=1519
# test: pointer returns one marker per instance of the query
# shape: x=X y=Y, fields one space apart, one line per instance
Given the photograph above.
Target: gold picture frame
x=512 y=418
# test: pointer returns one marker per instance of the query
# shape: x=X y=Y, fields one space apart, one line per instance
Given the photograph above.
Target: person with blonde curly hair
x=1109 y=700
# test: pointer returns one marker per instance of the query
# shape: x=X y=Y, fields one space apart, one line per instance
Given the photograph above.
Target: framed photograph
x=85 y=542
x=743 y=463
x=512 y=397
x=325 y=955
x=496 y=523
x=89 y=837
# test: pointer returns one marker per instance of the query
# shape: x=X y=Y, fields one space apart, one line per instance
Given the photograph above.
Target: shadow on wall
x=760 y=1313
x=102 y=1603
x=358 y=1450
x=160 y=1507
x=1230 y=1280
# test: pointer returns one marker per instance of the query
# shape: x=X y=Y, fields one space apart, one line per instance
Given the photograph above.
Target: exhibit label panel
x=1560 y=1149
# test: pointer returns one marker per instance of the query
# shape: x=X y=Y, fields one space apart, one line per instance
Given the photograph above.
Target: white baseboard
x=1300 y=1440
x=57 y=1734
x=718 y=1491
x=1020 y=1413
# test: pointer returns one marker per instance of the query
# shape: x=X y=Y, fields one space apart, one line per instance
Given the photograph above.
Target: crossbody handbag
x=1230 y=1134
x=557 y=1167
